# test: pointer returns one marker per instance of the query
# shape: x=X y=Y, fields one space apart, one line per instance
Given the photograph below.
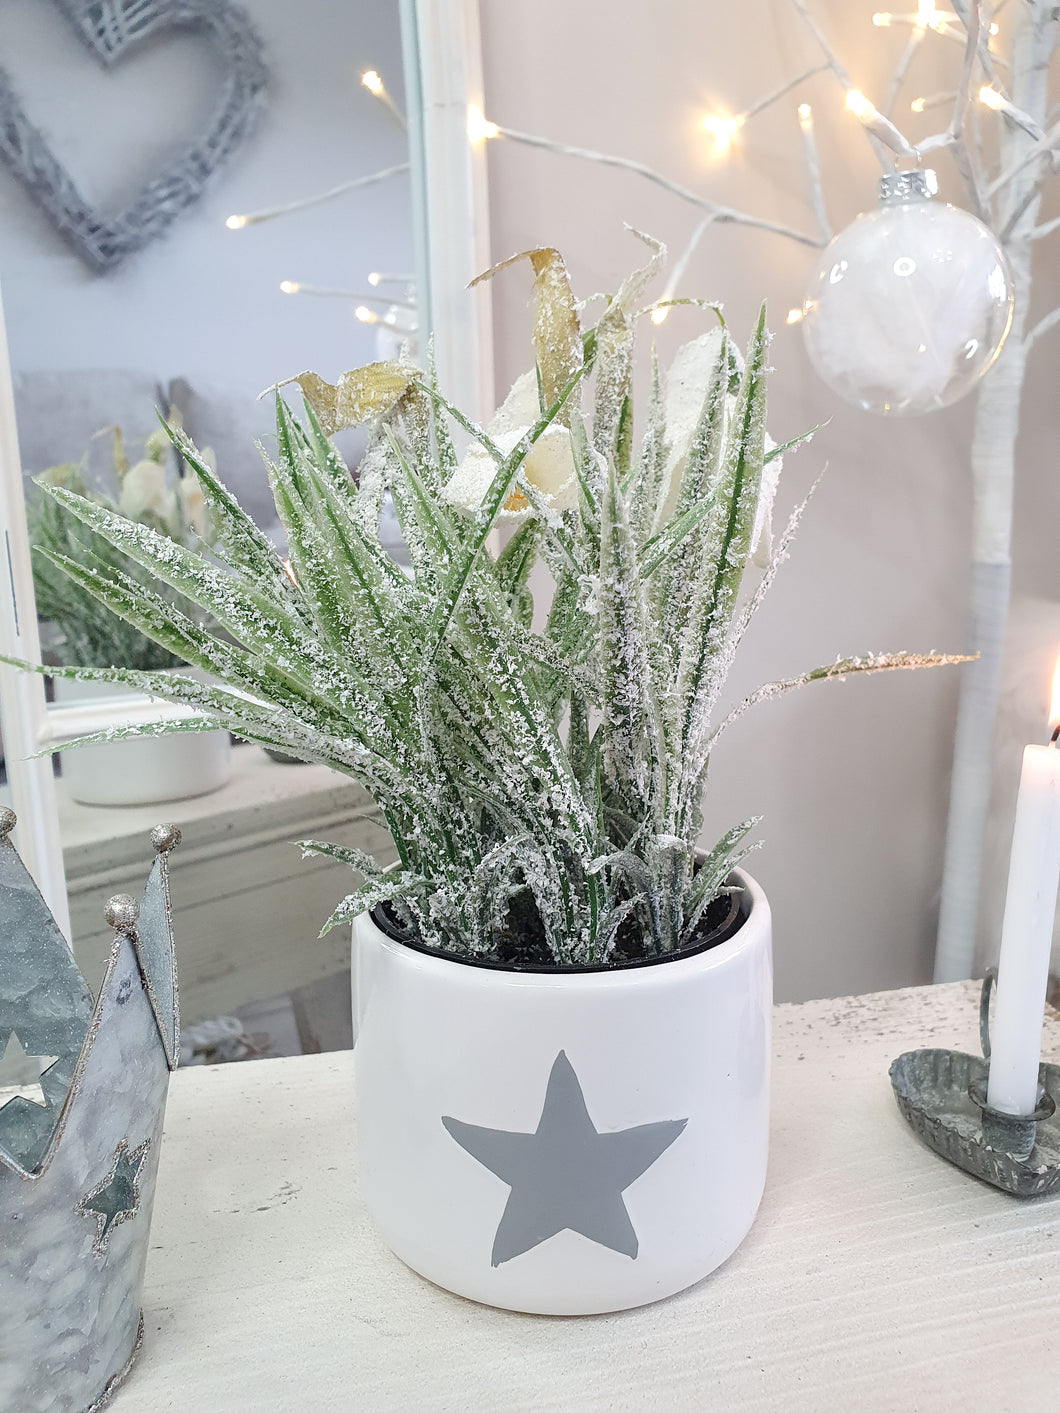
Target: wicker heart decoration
x=114 y=30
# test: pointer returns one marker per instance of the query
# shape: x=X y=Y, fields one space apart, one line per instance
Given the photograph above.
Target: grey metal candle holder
x=77 y=1167
x=942 y=1095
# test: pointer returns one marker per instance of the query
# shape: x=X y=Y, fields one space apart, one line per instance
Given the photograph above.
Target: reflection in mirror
x=285 y=243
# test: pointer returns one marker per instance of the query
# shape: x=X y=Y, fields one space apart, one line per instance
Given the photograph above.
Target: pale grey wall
x=851 y=779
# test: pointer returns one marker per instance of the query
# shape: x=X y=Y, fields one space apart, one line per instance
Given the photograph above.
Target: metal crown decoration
x=77 y=1170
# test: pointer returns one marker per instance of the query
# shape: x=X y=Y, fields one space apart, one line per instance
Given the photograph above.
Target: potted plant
x=562 y=1004
x=147 y=770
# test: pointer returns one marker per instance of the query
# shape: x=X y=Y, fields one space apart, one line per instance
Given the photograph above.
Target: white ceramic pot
x=146 y=770
x=564 y=1143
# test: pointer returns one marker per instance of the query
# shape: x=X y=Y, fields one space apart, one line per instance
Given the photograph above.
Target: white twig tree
x=1004 y=143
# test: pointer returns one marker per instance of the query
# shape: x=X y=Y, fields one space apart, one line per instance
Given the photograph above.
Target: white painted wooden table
x=876 y=1276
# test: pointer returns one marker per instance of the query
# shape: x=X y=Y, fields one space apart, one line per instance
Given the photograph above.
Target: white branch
x=723 y=214
x=1046 y=229
x=681 y=263
x=252 y=218
x=882 y=133
x=963 y=96
x=829 y=53
x=770 y=98
x=987 y=59
x=1029 y=197
x=935 y=143
x=813 y=171
x=870 y=118
x=1042 y=148
x=961 y=104
x=901 y=70
x=1017 y=116
x=1042 y=327
x=297 y=287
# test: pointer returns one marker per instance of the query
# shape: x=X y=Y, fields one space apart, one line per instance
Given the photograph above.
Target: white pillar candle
x=1026 y=934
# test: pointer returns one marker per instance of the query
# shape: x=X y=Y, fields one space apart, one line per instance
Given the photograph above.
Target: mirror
x=317 y=243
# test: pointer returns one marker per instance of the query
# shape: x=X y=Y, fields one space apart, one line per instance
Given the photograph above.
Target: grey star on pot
x=117 y=1197
x=567 y=1175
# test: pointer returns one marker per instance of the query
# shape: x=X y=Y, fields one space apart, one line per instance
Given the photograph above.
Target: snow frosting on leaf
x=542 y=784
x=762 y=534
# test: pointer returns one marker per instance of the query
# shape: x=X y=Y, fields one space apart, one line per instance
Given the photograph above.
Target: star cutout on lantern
x=20 y=1071
x=117 y=1197
x=567 y=1174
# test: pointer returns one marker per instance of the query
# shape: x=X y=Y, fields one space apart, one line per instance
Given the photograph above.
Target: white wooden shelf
x=247 y=906
x=876 y=1277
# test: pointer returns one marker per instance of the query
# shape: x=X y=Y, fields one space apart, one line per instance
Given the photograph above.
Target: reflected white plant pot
x=146 y=770
x=564 y=1143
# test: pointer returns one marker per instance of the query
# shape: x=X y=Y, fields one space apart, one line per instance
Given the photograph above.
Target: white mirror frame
x=443 y=75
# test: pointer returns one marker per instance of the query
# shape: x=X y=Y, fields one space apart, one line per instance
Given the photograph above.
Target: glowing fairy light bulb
x=927 y=17
x=910 y=305
x=722 y=130
x=290 y=286
x=805 y=116
x=374 y=278
x=366 y=315
x=371 y=80
x=918 y=105
x=795 y=315
x=658 y=316
x=236 y=223
x=870 y=117
x=989 y=97
x=478 y=129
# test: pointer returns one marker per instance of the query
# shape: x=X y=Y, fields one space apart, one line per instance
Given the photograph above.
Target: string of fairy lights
x=397 y=310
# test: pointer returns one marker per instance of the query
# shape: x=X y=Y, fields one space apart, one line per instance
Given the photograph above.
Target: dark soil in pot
x=523 y=948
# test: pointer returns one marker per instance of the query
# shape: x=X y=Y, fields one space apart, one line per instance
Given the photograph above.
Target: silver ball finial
x=8 y=820
x=165 y=837
x=122 y=912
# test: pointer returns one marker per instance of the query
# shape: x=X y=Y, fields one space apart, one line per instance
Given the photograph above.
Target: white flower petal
x=470 y=481
x=687 y=381
x=520 y=409
x=549 y=466
x=143 y=490
x=192 y=502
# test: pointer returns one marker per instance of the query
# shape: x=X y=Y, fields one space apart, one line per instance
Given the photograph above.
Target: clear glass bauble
x=909 y=306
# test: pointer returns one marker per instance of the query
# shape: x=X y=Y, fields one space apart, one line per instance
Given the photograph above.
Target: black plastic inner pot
x=722 y=920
